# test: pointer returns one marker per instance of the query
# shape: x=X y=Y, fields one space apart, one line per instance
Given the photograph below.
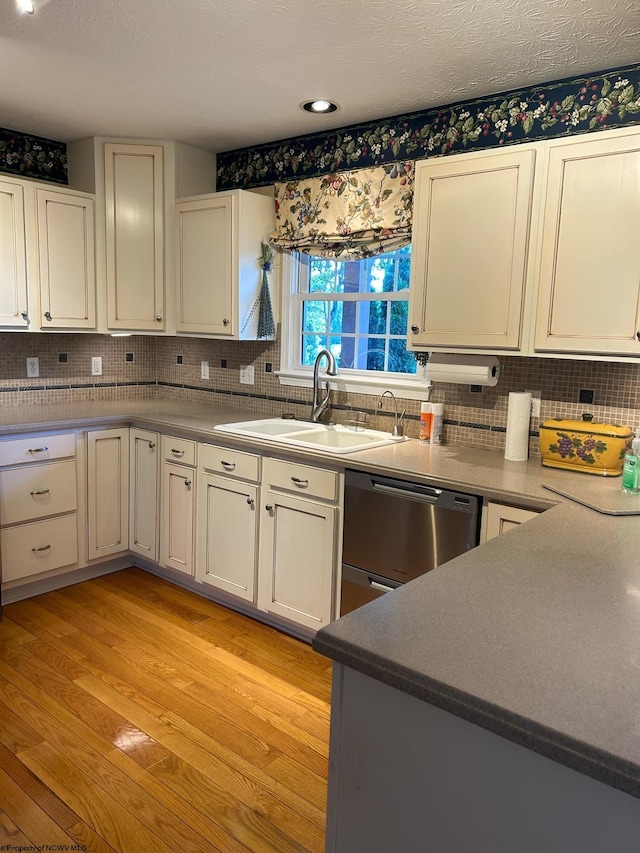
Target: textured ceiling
x=223 y=74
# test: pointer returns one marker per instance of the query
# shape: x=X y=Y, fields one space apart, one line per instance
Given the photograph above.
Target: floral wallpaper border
x=33 y=157
x=580 y=105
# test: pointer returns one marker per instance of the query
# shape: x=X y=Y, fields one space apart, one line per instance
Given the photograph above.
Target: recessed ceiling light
x=319 y=106
x=25 y=7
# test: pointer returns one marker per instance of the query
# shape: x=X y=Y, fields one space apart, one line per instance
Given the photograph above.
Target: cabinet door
x=134 y=236
x=499 y=518
x=469 y=256
x=143 y=493
x=176 y=538
x=227 y=545
x=108 y=491
x=297 y=551
x=13 y=274
x=66 y=256
x=589 y=288
x=204 y=279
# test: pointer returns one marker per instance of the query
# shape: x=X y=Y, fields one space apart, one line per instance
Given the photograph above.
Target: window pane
x=401 y=360
x=311 y=345
x=399 y=317
x=315 y=317
x=375 y=353
x=325 y=275
x=378 y=318
x=404 y=271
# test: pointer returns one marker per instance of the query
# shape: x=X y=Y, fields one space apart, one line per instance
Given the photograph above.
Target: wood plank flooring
x=138 y=717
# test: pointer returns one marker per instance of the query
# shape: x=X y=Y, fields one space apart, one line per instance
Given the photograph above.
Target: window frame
x=409 y=386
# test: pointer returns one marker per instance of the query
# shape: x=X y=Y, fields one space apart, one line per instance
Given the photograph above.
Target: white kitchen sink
x=330 y=438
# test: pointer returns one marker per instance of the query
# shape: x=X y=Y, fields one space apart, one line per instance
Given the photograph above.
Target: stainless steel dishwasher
x=395 y=531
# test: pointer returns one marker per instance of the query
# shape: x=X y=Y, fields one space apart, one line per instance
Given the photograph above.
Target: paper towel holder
x=464 y=369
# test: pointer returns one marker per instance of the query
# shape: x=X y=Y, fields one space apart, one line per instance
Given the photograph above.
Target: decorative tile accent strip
x=33 y=157
x=603 y=100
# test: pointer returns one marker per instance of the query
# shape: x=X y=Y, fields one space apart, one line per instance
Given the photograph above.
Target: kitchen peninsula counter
x=534 y=636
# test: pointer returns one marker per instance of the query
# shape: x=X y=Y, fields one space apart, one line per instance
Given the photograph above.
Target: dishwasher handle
x=425 y=494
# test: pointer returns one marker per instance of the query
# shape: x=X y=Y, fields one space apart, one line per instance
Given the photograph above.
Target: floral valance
x=346 y=215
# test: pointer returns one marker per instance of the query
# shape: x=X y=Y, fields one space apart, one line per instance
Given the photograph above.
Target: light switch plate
x=204 y=370
x=247 y=374
x=33 y=367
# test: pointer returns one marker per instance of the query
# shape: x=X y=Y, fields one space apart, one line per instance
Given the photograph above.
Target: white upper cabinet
x=471 y=224
x=589 y=282
x=218 y=277
x=134 y=236
x=13 y=271
x=65 y=224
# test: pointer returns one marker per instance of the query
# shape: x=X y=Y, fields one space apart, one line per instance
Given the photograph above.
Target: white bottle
x=437 y=423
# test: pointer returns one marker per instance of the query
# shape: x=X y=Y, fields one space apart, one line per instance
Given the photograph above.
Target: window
x=357 y=309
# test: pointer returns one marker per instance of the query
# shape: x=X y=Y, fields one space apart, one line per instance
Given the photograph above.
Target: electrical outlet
x=586 y=395
x=63 y=358
x=128 y=356
x=536 y=396
x=33 y=367
x=96 y=365
x=204 y=370
x=247 y=374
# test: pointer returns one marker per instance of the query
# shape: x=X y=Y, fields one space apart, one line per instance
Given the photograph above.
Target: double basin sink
x=330 y=438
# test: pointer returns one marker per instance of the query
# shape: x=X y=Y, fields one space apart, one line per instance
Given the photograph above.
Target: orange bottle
x=426 y=418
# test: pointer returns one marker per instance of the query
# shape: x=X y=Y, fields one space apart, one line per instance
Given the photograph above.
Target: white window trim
x=412 y=387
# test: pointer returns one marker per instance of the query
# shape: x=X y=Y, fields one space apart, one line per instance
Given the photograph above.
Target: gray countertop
x=534 y=635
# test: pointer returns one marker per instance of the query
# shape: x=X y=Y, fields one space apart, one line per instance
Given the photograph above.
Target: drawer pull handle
x=250 y=501
x=228 y=466
x=177 y=452
x=187 y=483
x=38 y=449
x=269 y=507
x=44 y=548
x=415 y=329
x=24 y=316
x=47 y=316
x=40 y=492
x=225 y=322
x=300 y=483
x=152 y=445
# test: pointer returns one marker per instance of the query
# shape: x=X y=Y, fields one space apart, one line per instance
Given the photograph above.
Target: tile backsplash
x=150 y=366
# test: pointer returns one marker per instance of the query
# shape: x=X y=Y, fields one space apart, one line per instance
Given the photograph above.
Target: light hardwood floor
x=138 y=717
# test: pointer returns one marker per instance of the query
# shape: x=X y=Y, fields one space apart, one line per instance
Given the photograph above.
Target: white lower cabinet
x=298 y=542
x=499 y=518
x=227 y=526
x=178 y=505
x=108 y=491
x=144 y=454
x=38 y=505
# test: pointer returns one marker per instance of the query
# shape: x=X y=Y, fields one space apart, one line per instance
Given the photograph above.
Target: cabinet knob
x=187 y=483
x=225 y=322
x=47 y=315
x=250 y=502
x=415 y=329
x=152 y=445
x=24 y=315
x=638 y=335
x=158 y=318
x=269 y=507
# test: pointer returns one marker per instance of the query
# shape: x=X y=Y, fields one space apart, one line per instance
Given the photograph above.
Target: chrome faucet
x=318 y=405
x=397 y=431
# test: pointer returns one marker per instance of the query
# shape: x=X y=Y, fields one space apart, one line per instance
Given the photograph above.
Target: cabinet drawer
x=39 y=547
x=302 y=479
x=40 y=448
x=37 y=491
x=179 y=450
x=245 y=466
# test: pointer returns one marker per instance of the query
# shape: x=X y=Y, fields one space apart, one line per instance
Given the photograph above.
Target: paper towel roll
x=463 y=369
x=516 y=448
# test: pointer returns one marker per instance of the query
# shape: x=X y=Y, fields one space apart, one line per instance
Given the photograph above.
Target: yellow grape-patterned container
x=584 y=446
